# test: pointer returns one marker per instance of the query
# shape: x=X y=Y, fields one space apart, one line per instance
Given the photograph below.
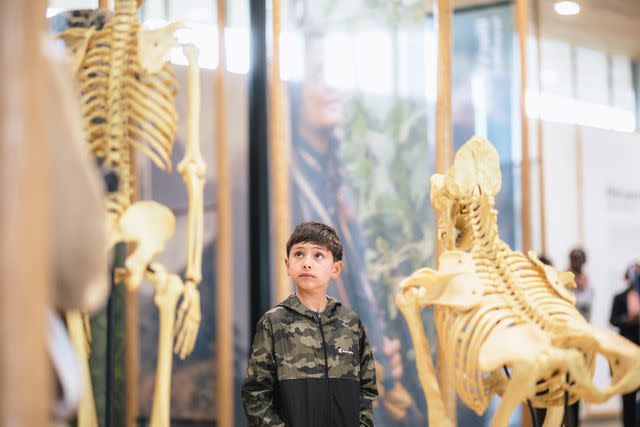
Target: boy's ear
x=337 y=268
x=286 y=263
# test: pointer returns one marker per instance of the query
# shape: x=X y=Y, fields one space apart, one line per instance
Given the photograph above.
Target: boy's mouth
x=308 y=275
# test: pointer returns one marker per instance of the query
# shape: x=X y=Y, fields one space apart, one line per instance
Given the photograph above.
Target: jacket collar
x=293 y=303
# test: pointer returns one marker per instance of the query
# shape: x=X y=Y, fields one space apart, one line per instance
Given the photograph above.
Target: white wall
x=560 y=191
x=610 y=188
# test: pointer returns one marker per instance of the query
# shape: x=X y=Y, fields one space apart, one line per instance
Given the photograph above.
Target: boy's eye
x=298 y=254
x=319 y=255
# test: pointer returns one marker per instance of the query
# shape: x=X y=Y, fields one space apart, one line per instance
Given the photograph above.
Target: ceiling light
x=567 y=8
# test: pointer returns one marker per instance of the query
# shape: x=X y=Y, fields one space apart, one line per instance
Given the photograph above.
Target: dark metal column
x=259 y=209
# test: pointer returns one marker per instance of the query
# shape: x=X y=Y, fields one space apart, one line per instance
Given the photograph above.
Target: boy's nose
x=307 y=263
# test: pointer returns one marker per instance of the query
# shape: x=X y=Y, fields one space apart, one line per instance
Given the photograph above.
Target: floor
x=612 y=422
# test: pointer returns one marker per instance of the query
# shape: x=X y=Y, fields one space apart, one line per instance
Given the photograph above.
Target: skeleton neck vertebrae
x=483 y=221
x=495 y=309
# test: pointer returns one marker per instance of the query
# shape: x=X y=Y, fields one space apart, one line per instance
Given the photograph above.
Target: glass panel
x=622 y=83
x=193 y=379
x=484 y=96
x=361 y=159
x=193 y=397
x=557 y=70
x=485 y=102
x=592 y=78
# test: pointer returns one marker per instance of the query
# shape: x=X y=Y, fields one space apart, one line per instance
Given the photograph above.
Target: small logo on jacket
x=341 y=351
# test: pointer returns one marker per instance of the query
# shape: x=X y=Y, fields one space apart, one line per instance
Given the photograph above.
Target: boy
x=311 y=364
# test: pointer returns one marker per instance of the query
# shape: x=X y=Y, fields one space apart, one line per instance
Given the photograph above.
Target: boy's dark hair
x=316 y=232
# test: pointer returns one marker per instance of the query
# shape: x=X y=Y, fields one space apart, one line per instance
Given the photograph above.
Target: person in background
x=545 y=260
x=583 y=291
x=584 y=298
x=624 y=315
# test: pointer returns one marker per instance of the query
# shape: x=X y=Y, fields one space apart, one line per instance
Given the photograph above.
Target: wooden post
x=525 y=178
x=579 y=183
x=540 y=132
x=224 y=245
x=25 y=387
x=279 y=160
x=525 y=186
x=444 y=159
x=444 y=132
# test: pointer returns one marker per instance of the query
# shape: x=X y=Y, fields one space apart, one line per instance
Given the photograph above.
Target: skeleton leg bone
x=407 y=302
x=520 y=386
x=87 y=416
x=554 y=416
x=525 y=349
x=168 y=289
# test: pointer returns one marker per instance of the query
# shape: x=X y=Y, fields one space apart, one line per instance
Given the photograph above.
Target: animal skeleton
x=128 y=95
x=507 y=324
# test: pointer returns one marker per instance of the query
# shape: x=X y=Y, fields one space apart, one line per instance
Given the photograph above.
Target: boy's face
x=311 y=266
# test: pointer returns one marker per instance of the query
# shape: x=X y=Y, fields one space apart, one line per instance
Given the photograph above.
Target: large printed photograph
x=361 y=161
x=361 y=90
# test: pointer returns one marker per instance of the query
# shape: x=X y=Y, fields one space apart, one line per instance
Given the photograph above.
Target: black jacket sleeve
x=260 y=381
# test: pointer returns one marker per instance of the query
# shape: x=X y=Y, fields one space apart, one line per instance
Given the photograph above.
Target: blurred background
x=367 y=100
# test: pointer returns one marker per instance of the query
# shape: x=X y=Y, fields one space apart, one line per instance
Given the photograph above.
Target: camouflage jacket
x=310 y=369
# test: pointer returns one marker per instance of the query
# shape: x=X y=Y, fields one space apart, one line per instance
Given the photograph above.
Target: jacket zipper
x=326 y=363
x=324 y=348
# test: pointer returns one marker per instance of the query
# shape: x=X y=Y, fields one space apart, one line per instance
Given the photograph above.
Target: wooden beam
x=279 y=160
x=25 y=386
x=444 y=159
x=579 y=184
x=522 y=21
x=224 y=261
x=525 y=171
x=444 y=139
x=540 y=130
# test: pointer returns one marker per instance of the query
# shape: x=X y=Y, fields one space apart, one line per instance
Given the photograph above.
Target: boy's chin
x=308 y=286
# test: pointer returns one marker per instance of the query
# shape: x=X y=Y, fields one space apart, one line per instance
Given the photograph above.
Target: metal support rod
x=259 y=209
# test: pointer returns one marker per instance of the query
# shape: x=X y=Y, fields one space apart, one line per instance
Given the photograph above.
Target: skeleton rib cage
x=515 y=292
x=139 y=102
